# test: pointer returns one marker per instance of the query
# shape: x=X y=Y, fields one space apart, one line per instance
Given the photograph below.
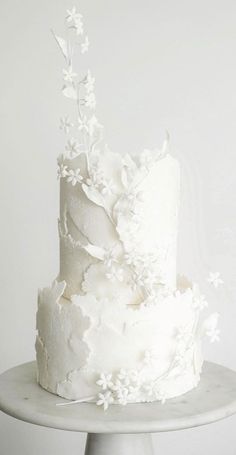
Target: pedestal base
x=118 y=444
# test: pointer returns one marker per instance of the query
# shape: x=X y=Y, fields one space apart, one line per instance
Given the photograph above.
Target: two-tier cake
x=116 y=326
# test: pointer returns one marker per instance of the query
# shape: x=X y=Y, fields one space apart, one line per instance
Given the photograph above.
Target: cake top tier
x=118 y=219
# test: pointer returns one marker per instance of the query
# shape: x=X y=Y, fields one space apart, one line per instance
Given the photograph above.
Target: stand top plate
x=214 y=399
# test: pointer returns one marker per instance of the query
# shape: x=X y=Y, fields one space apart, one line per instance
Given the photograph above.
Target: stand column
x=118 y=444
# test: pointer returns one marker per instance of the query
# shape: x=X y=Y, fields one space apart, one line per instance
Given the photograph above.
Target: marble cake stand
x=121 y=430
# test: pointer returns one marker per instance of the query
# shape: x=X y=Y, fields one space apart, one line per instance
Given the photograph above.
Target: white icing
x=85 y=344
x=115 y=328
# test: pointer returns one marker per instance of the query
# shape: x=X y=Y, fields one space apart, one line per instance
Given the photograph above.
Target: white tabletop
x=214 y=399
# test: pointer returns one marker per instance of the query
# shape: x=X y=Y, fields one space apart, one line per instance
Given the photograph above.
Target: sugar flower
x=115 y=274
x=85 y=45
x=108 y=188
x=90 y=100
x=105 y=381
x=72 y=148
x=69 y=75
x=65 y=124
x=215 y=279
x=73 y=15
x=213 y=334
x=62 y=171
x=105 y=399
x=74 y=176
x=89 y=82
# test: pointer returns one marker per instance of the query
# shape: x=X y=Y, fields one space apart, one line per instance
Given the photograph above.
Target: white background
x=159 y=64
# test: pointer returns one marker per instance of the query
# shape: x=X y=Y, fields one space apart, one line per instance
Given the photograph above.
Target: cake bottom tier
x=94 y=350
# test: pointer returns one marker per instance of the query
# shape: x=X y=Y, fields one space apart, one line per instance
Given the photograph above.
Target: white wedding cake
x=116 y=326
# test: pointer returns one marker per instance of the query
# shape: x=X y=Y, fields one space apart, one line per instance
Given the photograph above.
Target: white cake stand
x=121 y=430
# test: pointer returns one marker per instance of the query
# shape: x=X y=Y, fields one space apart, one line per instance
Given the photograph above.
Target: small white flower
x=85 y=45
x=200 y=302
x=215 y=279
x=123 y=396
x=79 y=27
x=121 y=392
x=62 y=171
x=73 y=148
x=115 y=274
x=146 y=159
x=73 y=15
x=83 y=124
x=149 y=357
x=124 y=377
x=74 y=176
x=109 y=258
x=108 y=188
x=213 y=334
x=69 y=75
x=105 y=399
x=184 y=334
x=134 y=377
x=105 y=381
x=89 y=82
x=131 y=257
x=90 y=100
x=93 y=126
x=65 y=124
x=95 y=177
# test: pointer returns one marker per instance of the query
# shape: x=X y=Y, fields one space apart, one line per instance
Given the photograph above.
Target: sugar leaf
x=62 y=45
x=69 y=92
x=95 y=251
x=93 y=194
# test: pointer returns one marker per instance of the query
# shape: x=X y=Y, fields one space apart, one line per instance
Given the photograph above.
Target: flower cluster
x=120 y=388
x=80 y=89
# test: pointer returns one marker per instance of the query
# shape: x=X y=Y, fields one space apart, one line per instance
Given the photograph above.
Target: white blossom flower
x=108 y=188
x=62 y=171
x=115 y=274
x=120 y=390
x=215 y=279
x=109 y=258
x=213 y=334
x=73 y=148
x=146 y=159
x=132 y=257
x=83 y=124
x=65 y=124
x=93 y=126
x=200 y=302
x=73 y=15
x=79 y=27
x=184 y=333
x=105 y=381
x=124 y=376
x=149 y=357
x=85 y=45
x=74 y=176
x=95 y=178
x=69 y=75
x=89 y=82
x=133 y=195
x=90 y=100
x=105 y=399
x=123 y=396
x=180 y=358
x=134 y=377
